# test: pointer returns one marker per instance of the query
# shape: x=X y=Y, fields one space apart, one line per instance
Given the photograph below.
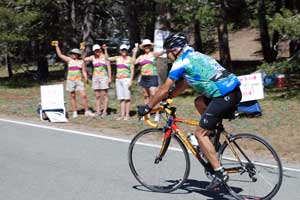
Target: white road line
x=103 y=137
x=66 y=130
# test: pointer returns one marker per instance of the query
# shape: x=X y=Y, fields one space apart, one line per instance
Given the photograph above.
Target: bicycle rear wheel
x=159 y=175
x=259 y=173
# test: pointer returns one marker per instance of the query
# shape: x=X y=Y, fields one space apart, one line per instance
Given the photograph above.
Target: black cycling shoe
x=220 y=177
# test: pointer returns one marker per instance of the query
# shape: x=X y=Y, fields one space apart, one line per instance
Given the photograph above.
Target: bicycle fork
x=164 y=146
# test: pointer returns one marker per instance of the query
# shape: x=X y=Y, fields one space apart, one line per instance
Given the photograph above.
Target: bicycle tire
x=265 y=160
x=142 y=146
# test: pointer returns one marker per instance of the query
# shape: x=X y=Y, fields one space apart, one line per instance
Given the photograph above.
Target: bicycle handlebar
x=163 y=106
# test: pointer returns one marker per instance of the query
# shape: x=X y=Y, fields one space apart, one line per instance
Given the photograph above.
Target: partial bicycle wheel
x=159 y=174
x=258 y=174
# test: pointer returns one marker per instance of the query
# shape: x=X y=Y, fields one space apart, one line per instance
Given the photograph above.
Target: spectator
x=149 y=74
x=101 y=78
x=76 y=68
x=124 y=78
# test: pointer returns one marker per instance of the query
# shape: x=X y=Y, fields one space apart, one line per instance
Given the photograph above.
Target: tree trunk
x=131 y=16
x=150 y=26
x=8 y=63
x=88 y=25
x=225 y=57
x=276 y=35
x=197 y=36
x=73 y=14
x=73 y=22
x=264 y=34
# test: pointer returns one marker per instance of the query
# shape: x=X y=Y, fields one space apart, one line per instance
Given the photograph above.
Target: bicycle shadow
x=196 y=186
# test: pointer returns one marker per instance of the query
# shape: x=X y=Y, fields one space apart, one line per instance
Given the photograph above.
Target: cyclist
x=219 y=91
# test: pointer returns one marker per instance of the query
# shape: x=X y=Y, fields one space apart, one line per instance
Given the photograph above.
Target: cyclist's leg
x=207 y=147
x=211 y=116
x=201 y=103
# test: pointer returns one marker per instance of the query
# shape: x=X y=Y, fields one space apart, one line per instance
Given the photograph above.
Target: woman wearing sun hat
x=124 y=78
x=149 y=74
x=101 y=78
x=76 y=68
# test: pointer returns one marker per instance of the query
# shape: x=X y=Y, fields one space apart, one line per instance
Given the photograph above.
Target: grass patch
x=279 y=123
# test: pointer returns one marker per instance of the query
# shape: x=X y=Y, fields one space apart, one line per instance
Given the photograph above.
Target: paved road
x=37 y=163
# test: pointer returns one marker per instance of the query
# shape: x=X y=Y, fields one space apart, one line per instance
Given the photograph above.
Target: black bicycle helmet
x=175 y=40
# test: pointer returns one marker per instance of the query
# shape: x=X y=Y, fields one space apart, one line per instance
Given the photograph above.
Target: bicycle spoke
x=260 y=170
x=158 y=169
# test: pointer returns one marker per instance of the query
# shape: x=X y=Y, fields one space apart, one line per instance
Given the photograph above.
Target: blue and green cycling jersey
x=203 y=73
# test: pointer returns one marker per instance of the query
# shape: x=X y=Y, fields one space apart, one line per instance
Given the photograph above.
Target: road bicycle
x=159 y=158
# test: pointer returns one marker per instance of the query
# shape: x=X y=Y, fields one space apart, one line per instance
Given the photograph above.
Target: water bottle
x=193 y=140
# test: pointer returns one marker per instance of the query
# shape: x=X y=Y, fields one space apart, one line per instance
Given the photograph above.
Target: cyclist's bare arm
x=161 y=92
x=180 y=87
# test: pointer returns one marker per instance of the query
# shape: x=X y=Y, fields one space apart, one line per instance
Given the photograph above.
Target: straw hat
x=76 y=51
x=146 y=42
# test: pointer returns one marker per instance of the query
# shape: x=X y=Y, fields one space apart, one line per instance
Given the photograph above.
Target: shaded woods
x=27 y=27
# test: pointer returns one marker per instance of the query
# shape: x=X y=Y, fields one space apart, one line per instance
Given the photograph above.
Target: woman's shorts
x=149 y=81
x=100 y=83
x=73 y=86
x=219 y=107
x=123 y=91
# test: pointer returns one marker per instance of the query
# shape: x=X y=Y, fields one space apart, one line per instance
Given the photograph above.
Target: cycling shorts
x=219 y=107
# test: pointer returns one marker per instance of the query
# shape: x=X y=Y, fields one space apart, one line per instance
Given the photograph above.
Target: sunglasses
x=147 y=46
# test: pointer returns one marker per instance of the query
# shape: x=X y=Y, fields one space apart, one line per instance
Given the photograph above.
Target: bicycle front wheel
x=156 y=171
x=258 y=173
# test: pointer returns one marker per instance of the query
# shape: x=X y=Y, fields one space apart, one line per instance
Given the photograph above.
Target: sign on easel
x=52 y=103
x=251 y=87
x=159 y=38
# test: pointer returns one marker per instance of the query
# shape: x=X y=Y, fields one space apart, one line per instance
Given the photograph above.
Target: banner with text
x=251 y=87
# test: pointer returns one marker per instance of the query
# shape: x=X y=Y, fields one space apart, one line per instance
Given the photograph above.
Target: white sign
x=251 y=87
x=159 y=38
x=52 y=99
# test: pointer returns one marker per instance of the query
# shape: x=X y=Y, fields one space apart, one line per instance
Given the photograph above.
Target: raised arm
x=135 y=50
x=159 y=53
x=86 y=59
x=60 y=55
x=106 y=54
